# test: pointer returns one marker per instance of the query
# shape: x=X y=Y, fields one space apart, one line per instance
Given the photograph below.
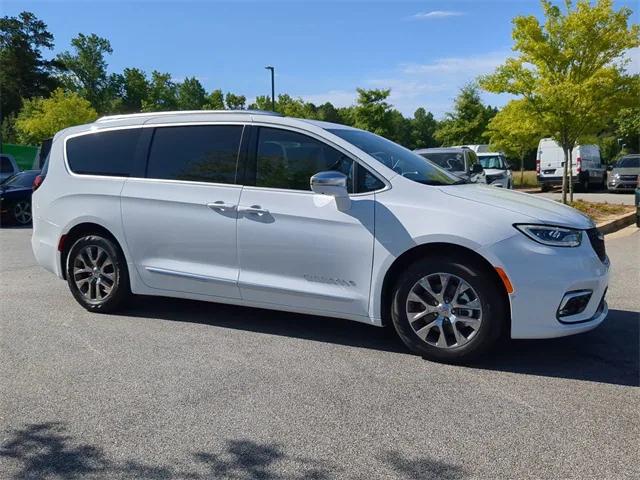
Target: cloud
x=633 y=56
x=436 y=14
x=432 y=85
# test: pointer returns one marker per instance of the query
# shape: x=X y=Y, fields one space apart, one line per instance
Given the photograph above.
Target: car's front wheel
x=97 y=274
x=448 y=310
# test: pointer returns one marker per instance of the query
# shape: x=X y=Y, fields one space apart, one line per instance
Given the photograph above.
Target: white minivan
x=266 y=211
x=588 y=170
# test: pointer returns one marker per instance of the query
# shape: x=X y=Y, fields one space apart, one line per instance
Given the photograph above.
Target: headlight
x=552 y=236
x=616 y=176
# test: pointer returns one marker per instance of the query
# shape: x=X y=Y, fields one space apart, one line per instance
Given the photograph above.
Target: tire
x=97 y=274
x=21 y=212
x=544 y=187
x=583 y=183
x=453 y=340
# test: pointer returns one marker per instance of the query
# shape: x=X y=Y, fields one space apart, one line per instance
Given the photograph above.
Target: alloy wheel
x=444 y=310
x=22 y=212
x=94 y=274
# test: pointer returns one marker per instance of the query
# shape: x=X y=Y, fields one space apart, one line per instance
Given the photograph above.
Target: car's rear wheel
x=448 y=310
x=97 y=274
x=22 y=212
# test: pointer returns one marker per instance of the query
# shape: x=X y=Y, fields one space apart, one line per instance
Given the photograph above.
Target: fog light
x=574 y=303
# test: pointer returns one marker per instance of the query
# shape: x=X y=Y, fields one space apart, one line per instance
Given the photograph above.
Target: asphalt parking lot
x=176 y=389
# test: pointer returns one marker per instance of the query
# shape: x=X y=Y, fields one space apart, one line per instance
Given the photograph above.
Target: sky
x=425 y=51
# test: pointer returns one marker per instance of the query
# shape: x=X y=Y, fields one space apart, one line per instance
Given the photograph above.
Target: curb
x=616 y=224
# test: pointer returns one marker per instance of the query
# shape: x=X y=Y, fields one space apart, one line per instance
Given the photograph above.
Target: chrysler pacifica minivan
x=266 y=211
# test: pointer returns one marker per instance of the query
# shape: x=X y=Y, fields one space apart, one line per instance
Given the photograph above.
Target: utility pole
x=273 y=88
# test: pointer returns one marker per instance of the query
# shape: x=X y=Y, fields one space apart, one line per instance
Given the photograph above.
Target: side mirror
x=509 y=166
x=476 y=169
x=610 y=167
x=334 y=184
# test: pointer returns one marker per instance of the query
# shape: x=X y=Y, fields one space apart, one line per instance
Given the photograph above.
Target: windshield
x=628 y=162
x=397 y=158
x=492 y=161
x=20 y=180
x=451 y=161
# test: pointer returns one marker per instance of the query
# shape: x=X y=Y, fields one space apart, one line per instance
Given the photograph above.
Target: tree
x=135 y=89
x=215 y=101
x=85 y=70
x=372 y=112
x=423 y=127
x=162 y=93
x=628 y=128
x=191 y=95
x=468 y=122
x=235 y=102
x=42 y=118
x=23 y=71
x=328 y=113
x=514 y=131
x=569 y=70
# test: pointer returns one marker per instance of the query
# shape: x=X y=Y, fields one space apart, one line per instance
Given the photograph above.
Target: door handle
x=220 y=206
x=254 y=209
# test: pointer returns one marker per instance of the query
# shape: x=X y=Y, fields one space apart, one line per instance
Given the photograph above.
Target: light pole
x=273 y=88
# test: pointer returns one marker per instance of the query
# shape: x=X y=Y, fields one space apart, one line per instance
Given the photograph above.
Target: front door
x=297 y=248
x=180 y=221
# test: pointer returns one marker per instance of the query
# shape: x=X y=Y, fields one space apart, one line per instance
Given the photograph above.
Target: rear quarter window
x=109 y=153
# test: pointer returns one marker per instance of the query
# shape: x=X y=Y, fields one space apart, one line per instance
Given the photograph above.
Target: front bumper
x=541 y=277
x=622 y=186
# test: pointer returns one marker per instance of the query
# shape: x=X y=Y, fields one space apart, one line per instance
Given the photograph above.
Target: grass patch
x=530 y=179
x=601 y=211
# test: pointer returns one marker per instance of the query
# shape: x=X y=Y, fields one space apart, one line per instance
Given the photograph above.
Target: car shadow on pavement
x=48 y=450
x=308 y=327
x=608 y=354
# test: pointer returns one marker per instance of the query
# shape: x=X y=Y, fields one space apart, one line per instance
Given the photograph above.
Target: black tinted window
x=104 y=153
x=199 y=153
x=367 y=181
x=288 y=160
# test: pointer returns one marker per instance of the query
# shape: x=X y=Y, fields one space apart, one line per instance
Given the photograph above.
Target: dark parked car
x=15 y=197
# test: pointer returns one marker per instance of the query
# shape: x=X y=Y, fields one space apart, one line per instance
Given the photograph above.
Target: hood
x=537 y=209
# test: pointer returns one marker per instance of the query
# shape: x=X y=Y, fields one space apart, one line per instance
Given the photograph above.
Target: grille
x=629 y=178
x=491 y=178
x=550 y=171
x=597 y=242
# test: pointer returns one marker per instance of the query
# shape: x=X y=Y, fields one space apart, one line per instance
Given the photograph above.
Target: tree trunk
x=565 y=174
x=522 y=169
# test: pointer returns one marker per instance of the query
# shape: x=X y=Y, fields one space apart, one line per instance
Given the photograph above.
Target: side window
x=104 y=153
x=198 y=153
x=5 y=165
x=367 y=181
x=287 y=160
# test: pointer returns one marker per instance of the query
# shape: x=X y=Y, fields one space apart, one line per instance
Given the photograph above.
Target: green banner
x=24 y=155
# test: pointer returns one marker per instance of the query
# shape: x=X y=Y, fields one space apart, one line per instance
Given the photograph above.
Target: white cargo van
x=587 y=166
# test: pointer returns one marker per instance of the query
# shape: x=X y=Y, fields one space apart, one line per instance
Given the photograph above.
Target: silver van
x=624 y=175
